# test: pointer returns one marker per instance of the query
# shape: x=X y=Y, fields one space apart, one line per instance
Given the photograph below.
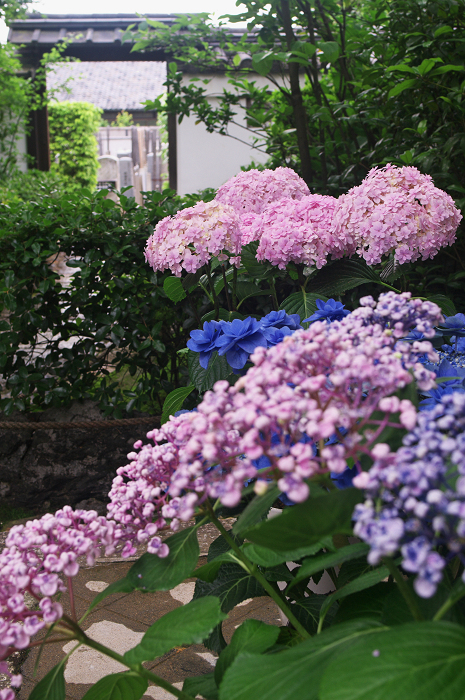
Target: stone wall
x=45 y=469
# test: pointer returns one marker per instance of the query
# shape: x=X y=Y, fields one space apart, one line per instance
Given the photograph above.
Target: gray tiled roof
x=109 y=84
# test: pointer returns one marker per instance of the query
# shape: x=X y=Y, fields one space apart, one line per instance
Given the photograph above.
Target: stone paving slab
x=120 y=622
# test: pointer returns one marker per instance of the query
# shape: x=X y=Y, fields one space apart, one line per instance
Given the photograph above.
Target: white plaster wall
x=21 y=145
x=21 y=150
x=114 y=140
x=208 y=160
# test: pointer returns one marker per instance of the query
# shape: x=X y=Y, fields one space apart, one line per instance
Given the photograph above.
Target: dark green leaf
x=397 y=612
x=204 y=379
x=418 y=661
x=325 y=561
x=208 y=572
x=293 y=674
x=446 y=305
x=302 y=303
x=256 y=510
x=341 y=275
x=52 y=686
x=369 y=603
x=204 y=686
x=118 y=686
x=330 y=51
x=400 y=87
x=252 y=636
x=174 y=289
x=308 y=522
x=151 y=573
x=371 y=578
x=267 y=557
x=307 y=610
x=256 y=270
x=123 y=585
x=262 y=62
x=174 y=401
x=189 y=624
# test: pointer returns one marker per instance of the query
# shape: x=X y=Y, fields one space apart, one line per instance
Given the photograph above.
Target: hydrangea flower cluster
x=416 y=498
x=35 y=558
x=190 y=238
x=316 y=383
x=396 y=210
x=330 y=310
x=252 y=191
x=297 y=231
x=238 y=339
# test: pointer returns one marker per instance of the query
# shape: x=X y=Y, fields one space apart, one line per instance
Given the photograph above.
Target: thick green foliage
x=112 y=333
x=30 y=186
x=73 y=146
x=383 y=83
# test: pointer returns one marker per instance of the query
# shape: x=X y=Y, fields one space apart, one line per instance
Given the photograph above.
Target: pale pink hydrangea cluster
x=190 y=238
x=297 y=231
x=298 y=393
x=316 y=384
x=396 y=210
x=35 y=559
x=252 y=191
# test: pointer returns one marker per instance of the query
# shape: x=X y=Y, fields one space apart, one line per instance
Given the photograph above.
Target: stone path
x=120 y=622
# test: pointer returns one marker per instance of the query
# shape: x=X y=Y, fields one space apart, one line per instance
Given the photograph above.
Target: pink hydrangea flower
x=297 y=231
x=301 y=391
x=36 y=558
x=190 y=238
x=396 y=210
x=252 y=191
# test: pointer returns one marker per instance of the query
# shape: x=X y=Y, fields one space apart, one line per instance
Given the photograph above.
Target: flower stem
x=234 y=289
x=273 y=293
x=226 y=289
x=71 y=598
x=136 y=668
x=404 y=589
x=256 y=573
x=213 y=293
x=451 y=601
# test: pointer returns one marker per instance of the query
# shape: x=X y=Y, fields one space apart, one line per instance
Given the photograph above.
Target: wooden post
x=38 y=138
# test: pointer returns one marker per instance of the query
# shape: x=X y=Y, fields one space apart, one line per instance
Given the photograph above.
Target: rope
x=76 y=425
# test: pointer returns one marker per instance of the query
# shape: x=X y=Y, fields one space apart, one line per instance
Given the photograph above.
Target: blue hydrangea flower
x=445 y=369
x=264 y=462
x=279 y=319
x=414 y=335
x=276 y=335
x=344 y=480
x=457 y=345
x=454 y=325
x=330 y=310
x=238 y=340
x=204 y=342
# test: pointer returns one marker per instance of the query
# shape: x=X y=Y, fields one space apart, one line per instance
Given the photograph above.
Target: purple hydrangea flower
x=204 y=342
x=239 y=339
x=416 y=497
x=330 y=310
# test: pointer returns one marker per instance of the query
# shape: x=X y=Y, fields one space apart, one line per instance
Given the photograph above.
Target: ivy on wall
x=73 y=146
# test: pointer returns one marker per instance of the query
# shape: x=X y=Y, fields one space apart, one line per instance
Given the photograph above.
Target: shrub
x=73 y=146
x=112 y=334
